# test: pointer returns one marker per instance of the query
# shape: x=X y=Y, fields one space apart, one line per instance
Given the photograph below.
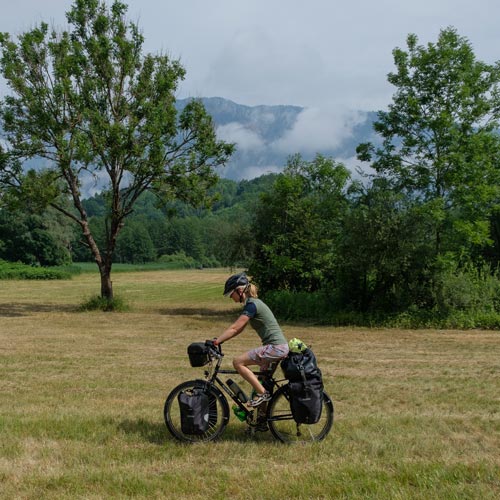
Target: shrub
x=468 y=289
x=98 y=303
x=18 y=271
x=321 y=308
x=179 y=260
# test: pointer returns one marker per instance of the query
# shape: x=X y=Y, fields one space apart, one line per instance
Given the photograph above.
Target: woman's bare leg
x=241 y=364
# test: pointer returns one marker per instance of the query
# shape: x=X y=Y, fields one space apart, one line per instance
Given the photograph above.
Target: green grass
x=91 y=267
x=82 y=393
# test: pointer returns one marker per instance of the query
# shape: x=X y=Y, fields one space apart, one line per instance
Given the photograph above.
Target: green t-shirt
x=262 y=320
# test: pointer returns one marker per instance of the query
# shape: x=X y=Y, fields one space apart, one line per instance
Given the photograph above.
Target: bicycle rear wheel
x=218 y=415
x=283 y=426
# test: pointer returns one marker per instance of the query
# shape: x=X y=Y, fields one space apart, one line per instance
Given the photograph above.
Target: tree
x=440 y=143
x=297 y=225
x=32 y=239
x=134 y=245
x=384 y=252
x=88 y=101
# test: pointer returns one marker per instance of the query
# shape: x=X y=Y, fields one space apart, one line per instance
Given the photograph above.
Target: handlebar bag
x=198 y=354
x=194 y=406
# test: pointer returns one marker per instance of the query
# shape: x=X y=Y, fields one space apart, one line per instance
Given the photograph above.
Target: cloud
x=319 y=129
x=257 y=62
x=238 y=133
x=92 y=183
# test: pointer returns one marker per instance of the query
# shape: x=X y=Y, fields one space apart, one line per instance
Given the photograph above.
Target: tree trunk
x=106 y=285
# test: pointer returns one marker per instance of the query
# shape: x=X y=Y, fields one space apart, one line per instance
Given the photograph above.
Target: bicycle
x=274 y=415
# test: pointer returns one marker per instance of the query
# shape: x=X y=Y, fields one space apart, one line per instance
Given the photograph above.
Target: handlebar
x=215 y=350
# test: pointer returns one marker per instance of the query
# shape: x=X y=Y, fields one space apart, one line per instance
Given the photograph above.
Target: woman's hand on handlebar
x=214 y=346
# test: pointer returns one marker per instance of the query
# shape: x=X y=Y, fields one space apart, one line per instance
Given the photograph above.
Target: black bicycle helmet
x=234 y=281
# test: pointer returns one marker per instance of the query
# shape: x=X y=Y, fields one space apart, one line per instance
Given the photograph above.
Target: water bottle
x=239 y=413
x=237 y=391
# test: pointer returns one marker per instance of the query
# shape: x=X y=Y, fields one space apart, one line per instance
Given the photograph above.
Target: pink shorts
x=267 y=354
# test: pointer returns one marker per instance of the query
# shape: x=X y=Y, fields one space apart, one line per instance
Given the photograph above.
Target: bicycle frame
x=212 y=378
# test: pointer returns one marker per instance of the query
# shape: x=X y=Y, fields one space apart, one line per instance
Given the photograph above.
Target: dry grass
x=81 y=400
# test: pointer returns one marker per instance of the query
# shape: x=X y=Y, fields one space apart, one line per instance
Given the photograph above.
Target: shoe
x=261 y=398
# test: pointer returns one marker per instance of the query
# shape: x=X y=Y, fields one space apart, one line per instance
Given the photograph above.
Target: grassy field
x=81 y=400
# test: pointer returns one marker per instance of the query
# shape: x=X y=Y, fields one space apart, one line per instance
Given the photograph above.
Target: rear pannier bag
x=198 y=354
x=305 y=386
x=299 y=366
x=194 y=406
x=306 y=400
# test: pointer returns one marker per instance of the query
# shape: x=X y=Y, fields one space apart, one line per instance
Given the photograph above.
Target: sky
x=331 y=57
x=312 y=53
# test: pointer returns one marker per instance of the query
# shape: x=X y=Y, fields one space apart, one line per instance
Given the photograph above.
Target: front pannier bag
x=198 y=354
x=194 y=406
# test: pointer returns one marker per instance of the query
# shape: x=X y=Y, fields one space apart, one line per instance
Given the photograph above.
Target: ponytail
x=252 y=291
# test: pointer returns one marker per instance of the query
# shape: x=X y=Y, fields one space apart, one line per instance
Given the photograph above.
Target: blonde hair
x=251 y=290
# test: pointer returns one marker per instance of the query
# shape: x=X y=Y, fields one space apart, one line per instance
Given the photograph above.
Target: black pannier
x=306 y=400
x=198 y=354
x=305 y=387
x=298 y=366
x=194 y=406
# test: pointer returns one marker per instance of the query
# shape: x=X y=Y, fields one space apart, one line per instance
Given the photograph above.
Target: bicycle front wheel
x=218 y=414
x=283 y=426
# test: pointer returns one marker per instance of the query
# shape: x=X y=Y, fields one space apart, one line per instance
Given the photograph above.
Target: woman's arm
x=236 y=328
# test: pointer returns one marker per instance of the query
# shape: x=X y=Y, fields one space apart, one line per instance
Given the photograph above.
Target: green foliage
x=297 y=225
x=219 y=235
x=88 y=101
x=134 y=244
x=406 y=248
x=386 y=252
x=98 y=303
x=19 y=271
x=32 y=239
x=321 y=308
x=440 y=140
x=468 y=289
x=179 y=260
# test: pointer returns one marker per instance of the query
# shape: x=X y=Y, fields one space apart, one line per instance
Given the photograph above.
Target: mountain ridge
x=266 y=135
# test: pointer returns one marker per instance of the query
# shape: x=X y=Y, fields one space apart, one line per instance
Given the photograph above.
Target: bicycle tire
x=218 y=412
x=283 y=426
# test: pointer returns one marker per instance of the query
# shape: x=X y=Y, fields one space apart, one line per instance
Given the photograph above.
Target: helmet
x=234 y=281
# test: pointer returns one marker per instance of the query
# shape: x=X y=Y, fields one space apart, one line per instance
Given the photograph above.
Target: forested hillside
x=193 y=237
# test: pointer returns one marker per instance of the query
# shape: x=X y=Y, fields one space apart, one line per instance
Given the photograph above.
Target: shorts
x=267 y=354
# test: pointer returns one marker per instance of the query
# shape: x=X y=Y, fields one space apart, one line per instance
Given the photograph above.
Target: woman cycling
x=274 y=344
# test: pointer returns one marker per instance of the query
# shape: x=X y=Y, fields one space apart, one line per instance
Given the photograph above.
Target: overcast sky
x=331 y=57
x=313 y=53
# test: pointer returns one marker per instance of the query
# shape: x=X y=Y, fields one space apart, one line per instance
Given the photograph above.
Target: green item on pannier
x=300 y=366
x=296 y=345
